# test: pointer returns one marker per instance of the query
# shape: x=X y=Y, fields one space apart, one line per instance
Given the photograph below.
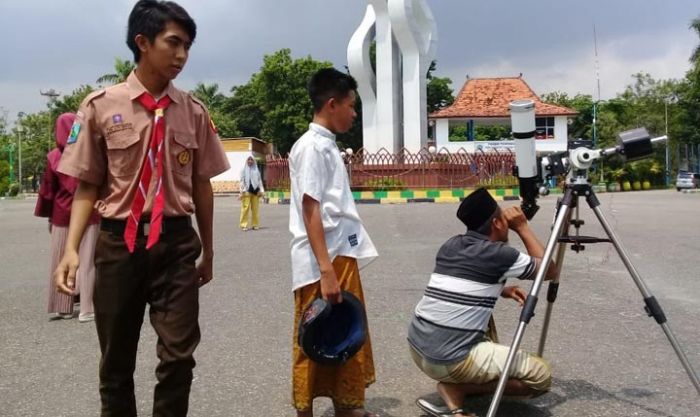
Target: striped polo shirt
x=470 y=272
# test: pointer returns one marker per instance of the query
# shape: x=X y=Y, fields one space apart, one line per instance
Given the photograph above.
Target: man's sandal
x=437 y=411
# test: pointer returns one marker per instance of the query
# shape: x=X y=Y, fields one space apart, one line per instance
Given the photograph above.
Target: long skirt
x=85 y=278
x=344 y=384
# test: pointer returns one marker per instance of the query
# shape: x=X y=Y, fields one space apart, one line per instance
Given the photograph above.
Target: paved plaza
x=608 y=358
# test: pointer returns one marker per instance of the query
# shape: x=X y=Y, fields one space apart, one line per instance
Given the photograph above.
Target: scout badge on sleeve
x=333 y=333
x=74 y=130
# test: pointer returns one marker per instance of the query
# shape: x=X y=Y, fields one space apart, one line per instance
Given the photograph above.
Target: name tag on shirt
x=353 y=239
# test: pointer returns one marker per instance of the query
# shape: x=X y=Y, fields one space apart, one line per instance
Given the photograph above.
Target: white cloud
x=549 y=41
x=663 y=55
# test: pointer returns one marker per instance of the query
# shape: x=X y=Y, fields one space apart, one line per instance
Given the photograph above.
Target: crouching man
x=449 y=337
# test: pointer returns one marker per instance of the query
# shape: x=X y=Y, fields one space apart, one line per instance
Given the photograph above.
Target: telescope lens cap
x=522 y=105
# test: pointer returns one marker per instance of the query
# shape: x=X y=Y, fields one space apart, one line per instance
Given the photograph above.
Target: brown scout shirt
x=113 y=139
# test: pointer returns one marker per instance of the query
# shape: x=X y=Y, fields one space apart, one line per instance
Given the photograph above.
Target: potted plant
x=655 y=175
x=621 y=181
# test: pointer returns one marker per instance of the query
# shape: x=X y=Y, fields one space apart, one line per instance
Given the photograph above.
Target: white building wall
x=237 y=161
x=442 y=133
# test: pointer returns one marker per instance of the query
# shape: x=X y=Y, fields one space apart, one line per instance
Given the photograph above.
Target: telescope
x=534 y=172
x=575 y=162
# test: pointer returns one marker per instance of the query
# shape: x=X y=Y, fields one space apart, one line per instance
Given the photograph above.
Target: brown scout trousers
x=165 y=278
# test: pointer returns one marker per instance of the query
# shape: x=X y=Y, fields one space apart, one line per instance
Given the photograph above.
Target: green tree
x=4 y=175
x=5 y=143
x=216 y=103
x=695 y=26
x=122 y=69
x=245 y=107
x=482 y=132
x=274 y=104
x=581 y=125
x=491 y=132
x=689 y=97
x=209 y=94
x=70 y=103
x=225 y=124
x=37 y=141
x=3 y=121
x=439 y=92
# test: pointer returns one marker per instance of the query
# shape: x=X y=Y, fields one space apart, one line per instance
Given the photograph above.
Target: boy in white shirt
x=328 y=240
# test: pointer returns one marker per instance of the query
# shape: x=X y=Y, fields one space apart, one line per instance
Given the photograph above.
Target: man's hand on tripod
x=516 y=293
x=516 y=218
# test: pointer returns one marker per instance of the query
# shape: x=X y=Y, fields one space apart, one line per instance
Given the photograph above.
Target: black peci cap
x=476 y=209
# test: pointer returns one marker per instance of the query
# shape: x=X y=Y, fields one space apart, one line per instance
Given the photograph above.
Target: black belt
x=169 y=225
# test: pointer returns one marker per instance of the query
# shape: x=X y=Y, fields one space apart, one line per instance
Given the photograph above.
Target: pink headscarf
x=63 y=126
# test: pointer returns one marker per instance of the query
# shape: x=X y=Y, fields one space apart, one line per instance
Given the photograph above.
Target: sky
x=61 y=44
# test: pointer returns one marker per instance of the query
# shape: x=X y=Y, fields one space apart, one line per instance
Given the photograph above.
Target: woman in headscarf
x=55 y=199
x=251 y=187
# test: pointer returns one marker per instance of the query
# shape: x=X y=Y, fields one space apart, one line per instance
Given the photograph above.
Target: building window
x=544 y=128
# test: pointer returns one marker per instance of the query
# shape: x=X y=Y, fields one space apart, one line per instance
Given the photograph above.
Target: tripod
x=578 y=186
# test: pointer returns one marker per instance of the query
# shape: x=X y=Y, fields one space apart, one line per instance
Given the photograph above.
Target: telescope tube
x=522 y=119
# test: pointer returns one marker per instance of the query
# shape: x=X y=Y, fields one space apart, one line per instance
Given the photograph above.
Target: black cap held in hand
x=476 y=208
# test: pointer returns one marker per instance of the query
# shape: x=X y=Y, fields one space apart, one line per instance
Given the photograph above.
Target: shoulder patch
x=198 y=101
x=92 y=96
x=74 y=131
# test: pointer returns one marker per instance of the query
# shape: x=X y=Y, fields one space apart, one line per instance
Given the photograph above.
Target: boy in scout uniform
x=144 y=153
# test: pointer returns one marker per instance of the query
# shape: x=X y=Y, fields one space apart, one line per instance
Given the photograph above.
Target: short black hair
x=149 y=17
x=329 y=83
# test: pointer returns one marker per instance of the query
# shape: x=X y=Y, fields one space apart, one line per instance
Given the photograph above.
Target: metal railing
x=407 y=170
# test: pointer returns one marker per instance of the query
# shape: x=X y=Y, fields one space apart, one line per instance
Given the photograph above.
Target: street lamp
x=668 y=100
x=51 y=94
x=20 y=132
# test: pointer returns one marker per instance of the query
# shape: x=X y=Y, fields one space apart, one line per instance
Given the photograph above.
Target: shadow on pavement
x=584 y=390
x=378 y=405
x=565 y=390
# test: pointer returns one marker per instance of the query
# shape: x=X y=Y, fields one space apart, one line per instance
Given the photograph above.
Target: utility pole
x=597 y=100
x=597 y=78
x=668 y=180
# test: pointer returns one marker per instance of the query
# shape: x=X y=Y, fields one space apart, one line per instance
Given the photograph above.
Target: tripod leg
x=653 y=308
x=553 y=286
x=552 y=289
x=531 y=301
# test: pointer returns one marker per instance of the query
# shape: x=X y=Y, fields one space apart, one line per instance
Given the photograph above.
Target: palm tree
x=122 y=68
x=209 y=94
x=695 y=25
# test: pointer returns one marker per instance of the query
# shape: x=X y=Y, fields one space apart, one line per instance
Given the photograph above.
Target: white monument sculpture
x=394 y=102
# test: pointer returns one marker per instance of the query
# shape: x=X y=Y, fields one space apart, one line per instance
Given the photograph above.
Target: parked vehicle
x=687 y=180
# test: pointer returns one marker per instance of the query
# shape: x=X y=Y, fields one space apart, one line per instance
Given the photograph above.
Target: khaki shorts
x=485 y=363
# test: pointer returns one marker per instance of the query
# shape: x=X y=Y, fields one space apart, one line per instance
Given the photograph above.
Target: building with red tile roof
x=486 y=101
